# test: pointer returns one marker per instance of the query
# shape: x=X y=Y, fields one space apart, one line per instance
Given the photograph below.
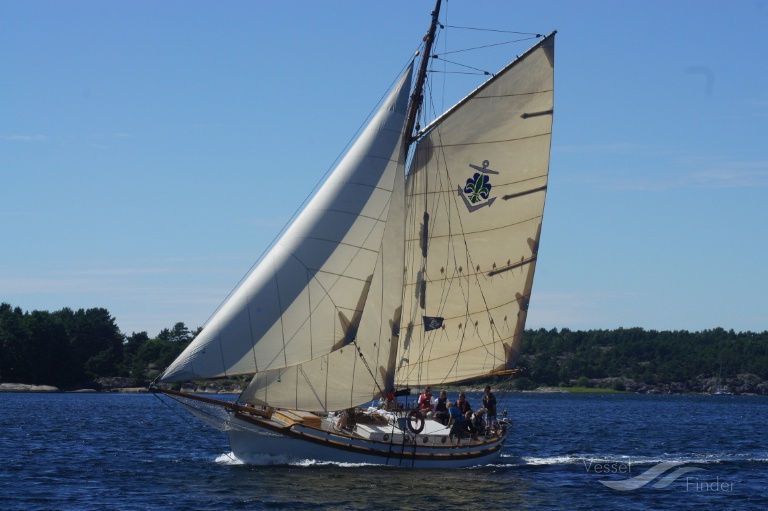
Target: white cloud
x=25 y=138
x=665 y=169
x=619 y=148
x=730 y=175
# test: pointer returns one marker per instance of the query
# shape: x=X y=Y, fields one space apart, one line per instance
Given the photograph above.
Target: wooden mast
x=417 y=97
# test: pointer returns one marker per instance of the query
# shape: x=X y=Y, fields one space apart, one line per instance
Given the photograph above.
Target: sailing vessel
x=719 y=389
x=390 y=280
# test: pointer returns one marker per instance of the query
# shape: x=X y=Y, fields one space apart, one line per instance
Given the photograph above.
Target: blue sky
x=150 y=151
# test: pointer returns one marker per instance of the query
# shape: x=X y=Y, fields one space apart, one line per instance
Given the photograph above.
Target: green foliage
x=583 y=382
x=158 y=352
x=574 y=357
x=95 y=343
x=524 y=383
x=34 y=347
x=70 y=349
x=104 y=363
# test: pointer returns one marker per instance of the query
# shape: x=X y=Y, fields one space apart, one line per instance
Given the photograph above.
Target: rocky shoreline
x=121 y=385
x=23 y=387
x=743 y=384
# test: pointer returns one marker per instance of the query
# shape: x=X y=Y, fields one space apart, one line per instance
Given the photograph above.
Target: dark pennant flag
x=432 y=323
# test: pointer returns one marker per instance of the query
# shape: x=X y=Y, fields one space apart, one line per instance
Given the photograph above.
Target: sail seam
x=482 y=347
x=342 y=245
x=545 y=91
x=522 y=297
x=500 y=141
x=336 y=274
x=350 y=213
x=480 y=231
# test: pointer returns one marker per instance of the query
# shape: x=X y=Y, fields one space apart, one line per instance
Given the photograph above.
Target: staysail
x=475 y=199
x=359 y=372
x=306 y=297
x=362 y=370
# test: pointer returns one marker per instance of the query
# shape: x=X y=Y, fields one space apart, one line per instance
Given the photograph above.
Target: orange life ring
x=415 y=422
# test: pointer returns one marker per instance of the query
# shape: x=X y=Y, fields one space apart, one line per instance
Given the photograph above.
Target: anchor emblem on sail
x=477 y=190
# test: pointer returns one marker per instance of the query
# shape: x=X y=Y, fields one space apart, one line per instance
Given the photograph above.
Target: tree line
x=688 y=361
x=71 y=349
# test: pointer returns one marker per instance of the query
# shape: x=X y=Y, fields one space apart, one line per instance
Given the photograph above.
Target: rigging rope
x=491 y=45
x=494 y=30
x=365 y=363
x=185 y=419
x=488 y=45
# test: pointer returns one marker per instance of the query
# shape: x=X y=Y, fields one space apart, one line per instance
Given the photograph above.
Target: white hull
x=253 y=438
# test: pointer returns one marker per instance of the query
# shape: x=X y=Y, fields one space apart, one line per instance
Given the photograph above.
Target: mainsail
x=475 y=200
x=305 y=299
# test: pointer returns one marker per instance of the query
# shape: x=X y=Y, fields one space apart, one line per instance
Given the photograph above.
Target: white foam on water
x=551 y=460
x=228 y=459
x=256 y=459
x=316 y=463
x=268 y=459
x=508 y=460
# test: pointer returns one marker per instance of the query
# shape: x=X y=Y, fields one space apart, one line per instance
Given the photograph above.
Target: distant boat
x=719 y=390
x=391 y=282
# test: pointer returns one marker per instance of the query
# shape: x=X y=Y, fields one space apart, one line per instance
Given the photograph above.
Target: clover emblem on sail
x=477 y=191
x=478 y=188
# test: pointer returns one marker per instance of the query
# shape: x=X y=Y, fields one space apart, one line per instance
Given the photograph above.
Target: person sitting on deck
x=341 y=423
x=391 y=402
x=425 y=402
x=346 y=420
x=457 y=422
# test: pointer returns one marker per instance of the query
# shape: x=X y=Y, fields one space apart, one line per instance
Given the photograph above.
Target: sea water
x=565 y=452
